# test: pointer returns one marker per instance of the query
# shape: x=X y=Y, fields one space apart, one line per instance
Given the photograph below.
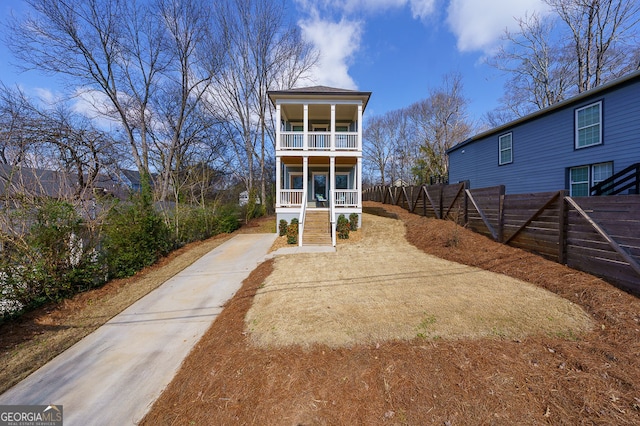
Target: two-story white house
x=318 y=158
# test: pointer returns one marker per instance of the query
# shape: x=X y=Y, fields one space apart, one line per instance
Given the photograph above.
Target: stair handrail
x=332 y=216
x=301 y=217
x=625 y=179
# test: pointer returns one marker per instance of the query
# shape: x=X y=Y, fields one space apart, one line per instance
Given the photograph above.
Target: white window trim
x=590 y=179
x=500 y=150
x=577 y=129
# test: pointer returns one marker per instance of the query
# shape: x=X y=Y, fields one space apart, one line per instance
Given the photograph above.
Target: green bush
x=282 y=227
x=292 y=232
x=193 y=223
x=342 y=227
x=135 y=236
x=227 y=219
x=353 y=221
x=52 y=260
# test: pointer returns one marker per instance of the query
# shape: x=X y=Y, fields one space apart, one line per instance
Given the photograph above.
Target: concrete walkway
x=113 y=376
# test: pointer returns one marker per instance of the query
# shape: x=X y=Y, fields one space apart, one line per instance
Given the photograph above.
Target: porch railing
x=320 y=140
x=346 y=198
x=345 y=141
x=291 y=140
x=291 y=197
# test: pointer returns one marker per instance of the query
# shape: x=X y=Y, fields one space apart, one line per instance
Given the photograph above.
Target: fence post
x=562 y=228
x=465 y=203
x=501 y=214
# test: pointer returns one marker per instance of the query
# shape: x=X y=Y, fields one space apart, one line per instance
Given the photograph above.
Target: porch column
x=360 y=128
x=305 y=127
x=333 y=128
x=278 y=144
x=332 y=180
x=359 y=180
x=305 y=177
x=278 y=173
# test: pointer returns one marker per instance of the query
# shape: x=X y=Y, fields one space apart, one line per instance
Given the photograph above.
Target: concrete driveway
x=112 y=376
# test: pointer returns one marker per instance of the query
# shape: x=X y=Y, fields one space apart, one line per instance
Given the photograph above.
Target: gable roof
x=322 y=91
x=550 y=109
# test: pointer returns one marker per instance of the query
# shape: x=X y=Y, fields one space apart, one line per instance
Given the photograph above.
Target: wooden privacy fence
x=598 y=235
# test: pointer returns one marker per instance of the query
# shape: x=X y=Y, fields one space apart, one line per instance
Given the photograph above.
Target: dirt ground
x=591 y=378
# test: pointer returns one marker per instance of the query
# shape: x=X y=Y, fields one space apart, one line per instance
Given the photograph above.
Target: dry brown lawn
x=383 y=288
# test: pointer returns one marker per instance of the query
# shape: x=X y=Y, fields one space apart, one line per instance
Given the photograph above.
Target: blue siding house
x=574 y=144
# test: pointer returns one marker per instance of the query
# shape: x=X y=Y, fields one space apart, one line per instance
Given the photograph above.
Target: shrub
x=53 y=259
x=353 y=221
x=282 y=227
x=135 y=236
x=193 y=223
x=342 y=227
x=292 y=232
x=227 y=219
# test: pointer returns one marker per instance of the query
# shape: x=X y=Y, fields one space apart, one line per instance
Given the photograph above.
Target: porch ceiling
x=319 y=112
x=319 y=161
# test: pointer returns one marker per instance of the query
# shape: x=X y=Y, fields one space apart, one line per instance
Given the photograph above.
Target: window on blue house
x=589 y=125
x=506 y=148
x=582 y=178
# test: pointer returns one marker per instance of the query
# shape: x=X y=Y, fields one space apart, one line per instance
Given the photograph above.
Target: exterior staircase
x=317 y=229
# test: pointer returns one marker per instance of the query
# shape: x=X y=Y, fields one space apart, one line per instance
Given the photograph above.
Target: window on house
x=506 y=148
x=589 y=125
x=342 y=181
x=582 y=178
x=296 y=181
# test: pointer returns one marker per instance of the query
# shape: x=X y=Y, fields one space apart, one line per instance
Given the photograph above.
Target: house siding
x=544 y=145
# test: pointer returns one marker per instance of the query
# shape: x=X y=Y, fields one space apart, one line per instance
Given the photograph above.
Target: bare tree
x=539 y=72
x=108 y=47
x=600 y=32
x=440 y=121
x=580 y=45
x=262 y=53
x=190 y=43
x=378 y=148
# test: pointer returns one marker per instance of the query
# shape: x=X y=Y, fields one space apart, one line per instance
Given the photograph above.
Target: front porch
x=318 y=183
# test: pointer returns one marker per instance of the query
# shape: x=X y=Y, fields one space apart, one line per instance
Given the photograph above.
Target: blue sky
x=397 y=49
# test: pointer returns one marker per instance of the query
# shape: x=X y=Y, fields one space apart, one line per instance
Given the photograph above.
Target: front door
x=319 y=187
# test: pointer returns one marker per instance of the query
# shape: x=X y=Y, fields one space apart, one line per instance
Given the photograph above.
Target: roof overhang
x=320 y=93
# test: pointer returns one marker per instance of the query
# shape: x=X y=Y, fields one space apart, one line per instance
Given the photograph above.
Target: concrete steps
x=317 y=229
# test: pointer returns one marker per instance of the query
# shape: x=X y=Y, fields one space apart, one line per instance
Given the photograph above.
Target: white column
x=305 y=172
x=278 y=175
x=305 y=126
x=332 y=178
x=360 y=127
x=359 y=181
x=333 y=127
x=278 y=144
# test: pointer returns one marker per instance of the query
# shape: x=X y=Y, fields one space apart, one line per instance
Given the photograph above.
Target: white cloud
x=337 y=42
x=478 y=25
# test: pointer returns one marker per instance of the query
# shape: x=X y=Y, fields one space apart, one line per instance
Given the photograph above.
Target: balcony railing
x=291 y=197
x=344 y=141
x=346 y=197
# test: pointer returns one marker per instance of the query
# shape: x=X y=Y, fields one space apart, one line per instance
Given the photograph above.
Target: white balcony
x=318 y=141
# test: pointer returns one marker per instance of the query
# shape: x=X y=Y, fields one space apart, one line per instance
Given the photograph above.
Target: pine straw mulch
x=586 y=379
